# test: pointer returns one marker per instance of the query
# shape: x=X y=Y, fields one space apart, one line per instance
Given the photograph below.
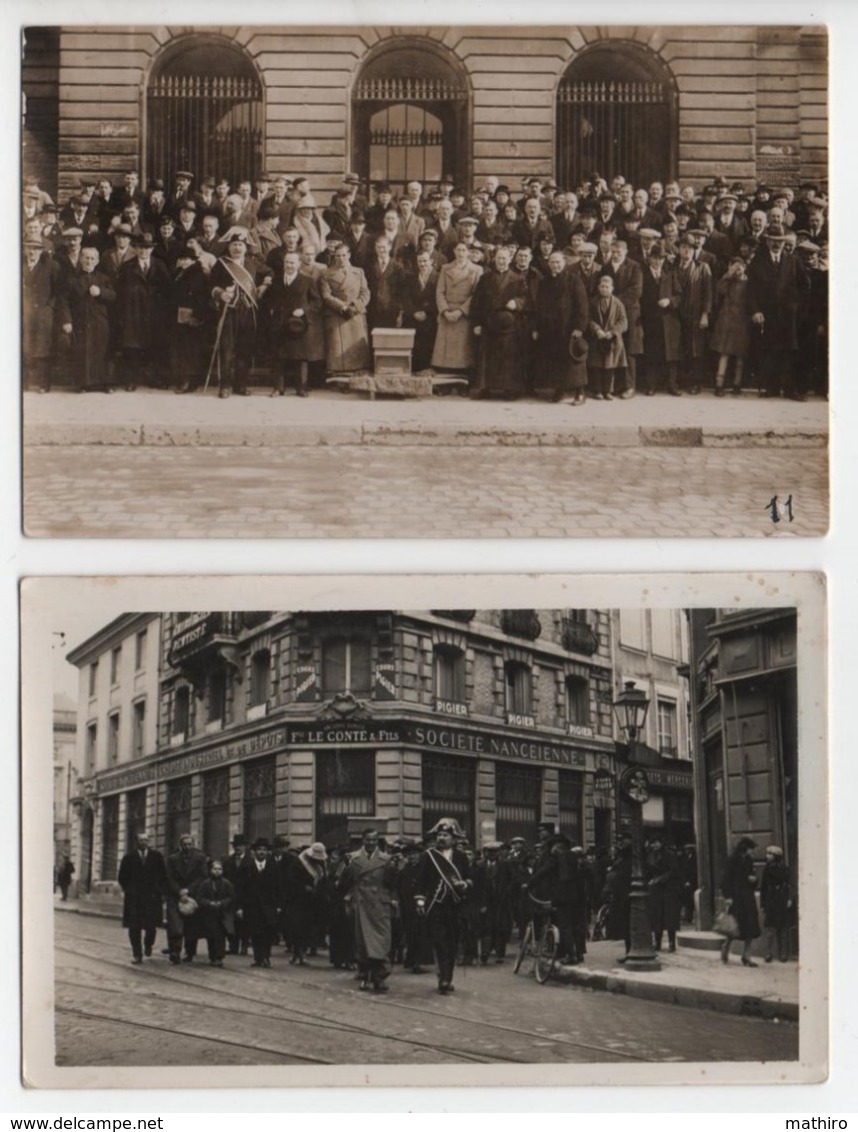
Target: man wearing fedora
x=777 y=285
x=260 y=901
x=444 y=882
x=368 y=882
x=143 y=291
x=238 y=939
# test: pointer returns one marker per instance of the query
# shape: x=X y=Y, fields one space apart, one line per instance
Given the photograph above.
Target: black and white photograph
x=507 y=281
x=355 y=844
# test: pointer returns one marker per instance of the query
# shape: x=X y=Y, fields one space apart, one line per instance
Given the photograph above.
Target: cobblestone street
x=110 y=1013
x=420 y=492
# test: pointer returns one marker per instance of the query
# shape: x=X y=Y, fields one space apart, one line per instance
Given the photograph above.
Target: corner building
x=313 y=724
x=648 y=102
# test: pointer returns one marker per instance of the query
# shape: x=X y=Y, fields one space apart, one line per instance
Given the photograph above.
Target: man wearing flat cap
x=368 y=882
x=444 y=881
x=777 y=286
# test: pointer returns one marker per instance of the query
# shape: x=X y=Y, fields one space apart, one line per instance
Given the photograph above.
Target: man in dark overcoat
x=562 y=312
x=558 y=881
x=384 y=279
x=664 y=890
x=39 y=299
x=628 y=284
x=496 y=904
x=660 y=298
x=82 y=314
x=186 y=867
x=444 y=882
x=290 y=303
x=501 y=302
x=189 y=320
x=777 y=285
x=260 y=901
x=238 y=939
x=144 y=286
x=420 y=310
x=143 y=880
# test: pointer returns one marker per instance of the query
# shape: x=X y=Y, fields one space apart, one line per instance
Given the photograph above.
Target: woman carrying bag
x=737 y=885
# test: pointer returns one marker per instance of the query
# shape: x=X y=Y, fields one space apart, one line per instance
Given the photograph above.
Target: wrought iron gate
x=209 y=124
x=614 y=128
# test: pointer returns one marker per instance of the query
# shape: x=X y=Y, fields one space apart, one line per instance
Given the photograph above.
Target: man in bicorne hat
x=237 y=288
x=444 y=880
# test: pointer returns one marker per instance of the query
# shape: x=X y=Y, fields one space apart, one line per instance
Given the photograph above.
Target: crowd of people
x=371 y=905
x=610 y=289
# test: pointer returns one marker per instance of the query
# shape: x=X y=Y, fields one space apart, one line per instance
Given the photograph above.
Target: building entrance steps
x=326 y=418
x=694 y=977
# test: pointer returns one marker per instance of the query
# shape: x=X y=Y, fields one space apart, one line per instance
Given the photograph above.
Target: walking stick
x=215 y=351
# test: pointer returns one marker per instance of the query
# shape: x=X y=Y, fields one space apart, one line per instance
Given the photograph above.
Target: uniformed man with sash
x=442 y=884
x=238 y=284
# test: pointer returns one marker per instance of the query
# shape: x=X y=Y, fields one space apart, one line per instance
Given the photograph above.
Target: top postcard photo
x=525 y=281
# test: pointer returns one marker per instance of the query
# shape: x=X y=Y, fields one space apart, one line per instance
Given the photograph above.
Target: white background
x=835 y=555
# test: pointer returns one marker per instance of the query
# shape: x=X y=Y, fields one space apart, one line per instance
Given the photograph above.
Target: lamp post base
x=641 y=963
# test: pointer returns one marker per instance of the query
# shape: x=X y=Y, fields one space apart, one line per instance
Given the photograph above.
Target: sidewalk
x=157 y=418
x=687 y=978
x=690 y=977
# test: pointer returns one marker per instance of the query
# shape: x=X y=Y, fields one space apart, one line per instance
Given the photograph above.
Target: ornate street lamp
x=630 y=708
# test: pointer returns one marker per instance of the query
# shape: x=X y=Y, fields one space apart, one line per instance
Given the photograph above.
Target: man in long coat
x=628 y=284
x=384 y=278
x=143 y=880
x=291 y=303
x=562 y=311
x=501 y=302
x=777 y=285
x=189 y=316
x=143 y=288
x=369 y=879
x=260 y=899
x=660 y=299
x=83 y=317
x=39 y=301
x=444 y=881
x=496 y=904
x=186 y=867
x=695 y=306
x=345 y=295
x=238 y=286
x=420 y=310
x=232 y=865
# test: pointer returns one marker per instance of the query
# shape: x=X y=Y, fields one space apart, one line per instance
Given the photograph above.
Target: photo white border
x=44 y=601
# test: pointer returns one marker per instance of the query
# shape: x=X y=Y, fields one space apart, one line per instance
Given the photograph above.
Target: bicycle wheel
x=546 y=956
x=523 y=948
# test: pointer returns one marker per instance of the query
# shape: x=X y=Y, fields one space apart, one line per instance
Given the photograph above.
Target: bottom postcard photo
x=355 y=840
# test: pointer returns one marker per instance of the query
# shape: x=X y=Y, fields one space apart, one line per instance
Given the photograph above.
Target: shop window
x=346 y=666
x=449 y=791
x=518 y=792
x=519 y=688
x=578 y=700
x=260 y=790
x=110 y=837
x=345 y=787
x=570 y=789
x=135 y=816
x=449 y=673
x=667 y=740
x=179 y=797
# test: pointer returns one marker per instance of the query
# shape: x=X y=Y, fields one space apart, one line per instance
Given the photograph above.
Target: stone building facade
x=398 y=103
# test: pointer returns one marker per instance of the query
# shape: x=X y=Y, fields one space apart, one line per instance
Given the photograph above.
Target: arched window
x=410 y=116
x=616 y=115
x=204 y=113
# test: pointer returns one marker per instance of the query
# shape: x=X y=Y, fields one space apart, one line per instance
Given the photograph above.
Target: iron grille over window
x=449 y=790
x=410 y=115
x=135 y=816
x=615 y=115
x=110 y=837
x=205 y=113
x=518 y=790
x=260 y=779
x=345 y=787
x=521 y=623
x=579 y=637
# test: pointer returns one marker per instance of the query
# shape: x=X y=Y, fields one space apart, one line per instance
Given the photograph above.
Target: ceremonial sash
x=242 y=278
x=446 y=884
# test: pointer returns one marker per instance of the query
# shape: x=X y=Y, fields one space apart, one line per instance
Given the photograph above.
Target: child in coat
x=731 y=336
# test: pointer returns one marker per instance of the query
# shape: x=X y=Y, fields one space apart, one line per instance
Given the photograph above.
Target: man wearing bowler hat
x=232 y=867
x=260 y=901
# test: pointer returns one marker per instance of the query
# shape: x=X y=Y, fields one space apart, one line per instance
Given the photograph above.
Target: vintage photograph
x=427 y=842
x=535 y=281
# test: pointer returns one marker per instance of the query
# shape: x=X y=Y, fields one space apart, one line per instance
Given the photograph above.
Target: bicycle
x=544 y=948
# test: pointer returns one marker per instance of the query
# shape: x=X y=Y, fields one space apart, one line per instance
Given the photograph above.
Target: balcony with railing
x=579 y=637
x=521 y=623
